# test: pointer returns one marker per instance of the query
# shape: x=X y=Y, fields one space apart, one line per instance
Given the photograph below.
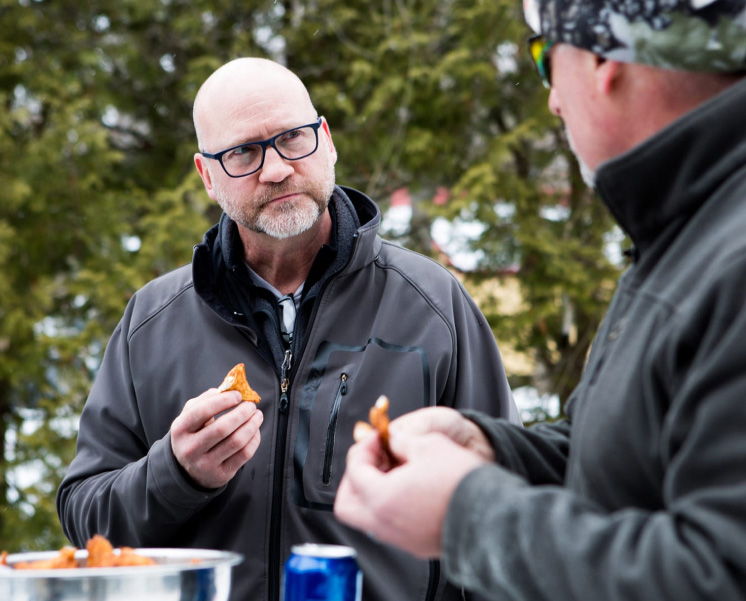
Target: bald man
x=295 y=283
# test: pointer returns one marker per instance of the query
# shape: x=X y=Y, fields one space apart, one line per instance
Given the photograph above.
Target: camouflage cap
x=690 y=35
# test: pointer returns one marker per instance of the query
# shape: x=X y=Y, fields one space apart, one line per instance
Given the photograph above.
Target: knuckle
x=223 y=428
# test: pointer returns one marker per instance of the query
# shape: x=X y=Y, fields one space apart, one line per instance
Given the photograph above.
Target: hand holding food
x=428 y=468
x=216 y=433
x=447 y=421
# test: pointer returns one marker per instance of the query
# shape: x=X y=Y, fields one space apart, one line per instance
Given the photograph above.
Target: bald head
x=247 y=86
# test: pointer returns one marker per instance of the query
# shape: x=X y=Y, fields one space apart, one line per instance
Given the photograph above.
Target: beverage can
x=322 y=573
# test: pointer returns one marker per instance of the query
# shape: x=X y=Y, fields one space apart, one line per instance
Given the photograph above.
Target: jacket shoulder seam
x=462 y=290
x=159 y=309
x=411 y=282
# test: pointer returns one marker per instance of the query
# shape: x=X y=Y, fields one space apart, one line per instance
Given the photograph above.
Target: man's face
x=284 y=198
x=282 y=205
x=575 y=98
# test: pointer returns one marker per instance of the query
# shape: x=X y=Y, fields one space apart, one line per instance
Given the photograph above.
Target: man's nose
x=554 y=103
x=275 y=168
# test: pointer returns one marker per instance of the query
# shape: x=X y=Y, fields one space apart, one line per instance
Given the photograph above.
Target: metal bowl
x=180 y=575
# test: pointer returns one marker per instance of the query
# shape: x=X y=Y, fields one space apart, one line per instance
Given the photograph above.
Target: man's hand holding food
x=434 y=449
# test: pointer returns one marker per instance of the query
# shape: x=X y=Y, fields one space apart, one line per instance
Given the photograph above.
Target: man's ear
x=608 y=73
x=328 y=134
x=204 y=173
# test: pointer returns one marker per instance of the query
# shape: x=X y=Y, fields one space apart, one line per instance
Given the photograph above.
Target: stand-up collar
x=667 y=177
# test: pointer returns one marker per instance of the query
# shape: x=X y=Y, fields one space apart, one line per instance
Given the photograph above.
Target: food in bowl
x=101 y=554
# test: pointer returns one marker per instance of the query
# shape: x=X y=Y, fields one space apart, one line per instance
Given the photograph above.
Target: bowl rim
x=172 y=561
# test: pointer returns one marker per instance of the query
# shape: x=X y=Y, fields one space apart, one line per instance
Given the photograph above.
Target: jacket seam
x=470 y=303
x=419 y=290
x=160 y=309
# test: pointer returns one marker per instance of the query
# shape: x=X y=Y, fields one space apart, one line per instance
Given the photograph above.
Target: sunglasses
x=538 y=48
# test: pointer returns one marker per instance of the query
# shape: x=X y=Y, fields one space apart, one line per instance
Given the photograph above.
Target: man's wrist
x=478 y=442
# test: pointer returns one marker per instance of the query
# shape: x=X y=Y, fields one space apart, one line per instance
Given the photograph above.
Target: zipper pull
x=286 y=363
x=284 y=402
x=285 y=381
x=343 y=384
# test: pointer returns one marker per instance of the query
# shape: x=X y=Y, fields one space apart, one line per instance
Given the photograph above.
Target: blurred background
x=436 y=113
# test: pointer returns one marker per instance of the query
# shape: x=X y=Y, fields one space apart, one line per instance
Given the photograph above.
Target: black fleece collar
x=331 y=257
x=668 y=177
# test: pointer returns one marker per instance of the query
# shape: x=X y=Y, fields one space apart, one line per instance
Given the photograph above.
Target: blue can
x=322 y=573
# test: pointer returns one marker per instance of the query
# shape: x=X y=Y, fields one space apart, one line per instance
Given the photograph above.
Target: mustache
x=273 y=191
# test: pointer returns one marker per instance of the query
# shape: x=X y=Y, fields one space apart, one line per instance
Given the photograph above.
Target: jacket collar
x=367 y=245
x=356 y=225
x=669 y=176
x=349 y=209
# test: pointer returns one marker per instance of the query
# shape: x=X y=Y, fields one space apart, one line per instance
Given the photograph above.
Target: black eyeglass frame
x=541 y=59
x=264 y=144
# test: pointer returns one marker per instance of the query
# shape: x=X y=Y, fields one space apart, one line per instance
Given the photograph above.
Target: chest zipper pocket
x=331 y=431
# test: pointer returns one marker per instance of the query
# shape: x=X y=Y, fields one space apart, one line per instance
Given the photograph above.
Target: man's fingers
x=368 y=451
x=201 y=410
x=350 y=504
x=437 y=419
x=423 y=421
x=233 y=436
x=214 y=454
x=233 y=463
x=370 y=499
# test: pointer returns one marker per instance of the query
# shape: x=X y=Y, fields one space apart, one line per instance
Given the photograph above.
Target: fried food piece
x=379 y=419
x=236 y=380
x=65 y=559
x=101 y=554
x=99 y=550
x=379 y=422
x=126 y=557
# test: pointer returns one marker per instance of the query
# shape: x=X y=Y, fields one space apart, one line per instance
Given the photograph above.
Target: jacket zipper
x=331 y=431
x=275 y=567
x=282 y=427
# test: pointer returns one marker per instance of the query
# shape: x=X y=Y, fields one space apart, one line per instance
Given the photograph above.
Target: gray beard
x=287 y=221
x=588 y=174
x=290 y=220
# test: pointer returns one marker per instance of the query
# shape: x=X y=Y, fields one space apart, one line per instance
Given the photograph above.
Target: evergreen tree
x=100 y=194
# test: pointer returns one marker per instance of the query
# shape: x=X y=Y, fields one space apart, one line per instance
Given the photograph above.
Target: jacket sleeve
x=482 y=393
x=509 y=539
x=477 y=380
x=120 y=484
x=538 y=454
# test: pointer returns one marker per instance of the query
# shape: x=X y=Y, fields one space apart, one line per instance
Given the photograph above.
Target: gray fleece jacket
x=641 y=494
x=374 y=319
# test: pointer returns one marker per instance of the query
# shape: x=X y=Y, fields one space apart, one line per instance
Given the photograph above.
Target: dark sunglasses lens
x=546 y=67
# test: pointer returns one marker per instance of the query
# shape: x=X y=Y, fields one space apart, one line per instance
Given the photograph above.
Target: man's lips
x=281 y=198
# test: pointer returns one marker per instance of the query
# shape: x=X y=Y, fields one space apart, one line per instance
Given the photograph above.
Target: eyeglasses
x=538 y=48
x=292 y=145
